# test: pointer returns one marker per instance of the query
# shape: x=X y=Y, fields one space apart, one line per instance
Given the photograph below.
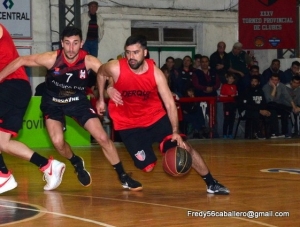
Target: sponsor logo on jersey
x=56 y=71
x=66 y=100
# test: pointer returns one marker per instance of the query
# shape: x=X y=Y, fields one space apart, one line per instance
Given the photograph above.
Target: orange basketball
x=177 y=161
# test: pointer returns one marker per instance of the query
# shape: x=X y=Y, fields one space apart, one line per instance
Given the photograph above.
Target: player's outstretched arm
x=45 y=59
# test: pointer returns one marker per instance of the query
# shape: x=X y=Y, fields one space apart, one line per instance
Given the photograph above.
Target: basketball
x=177 y=161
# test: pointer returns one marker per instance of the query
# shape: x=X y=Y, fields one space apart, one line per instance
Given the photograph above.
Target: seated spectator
x=196 y=64
x=246 y=80
x=205 y=81
x=254 y=71
x=193 y=117
x=280 y=102
x=293 y=89
x=258 y=117
x=181 y=80
x=292 y=71
x=220 y=62
x=273 y=69
x=229 y=107
x=239 y=62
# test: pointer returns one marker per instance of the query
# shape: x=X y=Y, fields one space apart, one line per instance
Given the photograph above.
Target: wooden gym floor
x=263 y=176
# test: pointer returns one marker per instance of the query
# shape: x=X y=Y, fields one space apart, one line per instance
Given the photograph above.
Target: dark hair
x=71 y=31
x=168 y=58
x=255 y=78
x=275 y=75
x=134 y=39
x=189 y=57
x=230 y=75
x=254 y=67
x=93 y=3
x=275 y=60
x=204 y=57
x=296 y=63
x=297 y=77
x=197 y=56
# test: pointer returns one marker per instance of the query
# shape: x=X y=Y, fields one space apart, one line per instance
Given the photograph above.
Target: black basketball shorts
x=15 y=96
x=81 y=110
x=139 y=141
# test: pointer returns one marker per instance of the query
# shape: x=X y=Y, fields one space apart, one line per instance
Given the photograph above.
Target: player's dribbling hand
x=115 y=96
x=177 y=137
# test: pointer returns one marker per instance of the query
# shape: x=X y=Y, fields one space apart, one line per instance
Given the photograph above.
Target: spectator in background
x=254 y=103
x=291 y=72
x=197 y=58
x=166 y=72
x=273 y=69
x=254 y=71
x=182 y=80
x=169 y=64
x=169 y=69
x=92 y=26
x=193 y=116
x=229 y=90
x=239 y=62
x=294 y=91
x=246 y=80
x=279 y=101
x=220 y=62
x=205 y=81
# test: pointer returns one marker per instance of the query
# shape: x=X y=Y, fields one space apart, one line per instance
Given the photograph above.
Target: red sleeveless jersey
x=142 y=105
x=8 y=53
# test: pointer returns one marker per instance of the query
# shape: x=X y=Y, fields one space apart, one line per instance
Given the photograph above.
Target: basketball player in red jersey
x=143 y=109
x=66 y=82
x=15 y=94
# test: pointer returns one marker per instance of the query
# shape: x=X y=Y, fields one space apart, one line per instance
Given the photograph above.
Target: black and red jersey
x=66 y=79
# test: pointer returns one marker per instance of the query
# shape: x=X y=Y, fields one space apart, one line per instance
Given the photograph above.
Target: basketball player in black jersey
x=66 y=81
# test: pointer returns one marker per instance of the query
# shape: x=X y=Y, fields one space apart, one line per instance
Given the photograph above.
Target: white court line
x=168 y=206
x=59 y=214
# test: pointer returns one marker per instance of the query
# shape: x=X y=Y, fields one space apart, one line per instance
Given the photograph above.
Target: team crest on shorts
x=140 y=155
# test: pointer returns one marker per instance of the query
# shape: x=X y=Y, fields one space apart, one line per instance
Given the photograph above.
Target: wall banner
x=267 y=24
x=15 y=15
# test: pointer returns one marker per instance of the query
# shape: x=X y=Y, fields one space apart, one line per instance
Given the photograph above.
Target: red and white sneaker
x=7 y=182
x=53 y=173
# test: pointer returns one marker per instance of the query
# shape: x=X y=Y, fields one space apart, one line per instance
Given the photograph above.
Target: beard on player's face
x=135 y=64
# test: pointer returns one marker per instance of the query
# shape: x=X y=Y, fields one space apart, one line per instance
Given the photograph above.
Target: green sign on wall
x=34 y=133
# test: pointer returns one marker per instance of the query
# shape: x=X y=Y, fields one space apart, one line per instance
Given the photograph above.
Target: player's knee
x=58 y=142
x=102 y=139
x=149 y=168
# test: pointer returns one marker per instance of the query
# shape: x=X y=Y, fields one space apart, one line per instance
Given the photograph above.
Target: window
x=152 y=34
x=166 y=33
x=178 y=35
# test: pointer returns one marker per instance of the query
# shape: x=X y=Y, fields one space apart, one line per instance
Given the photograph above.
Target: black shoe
x=259 y=136
x=83 y=176
x=217 y=189
x=129 y=183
